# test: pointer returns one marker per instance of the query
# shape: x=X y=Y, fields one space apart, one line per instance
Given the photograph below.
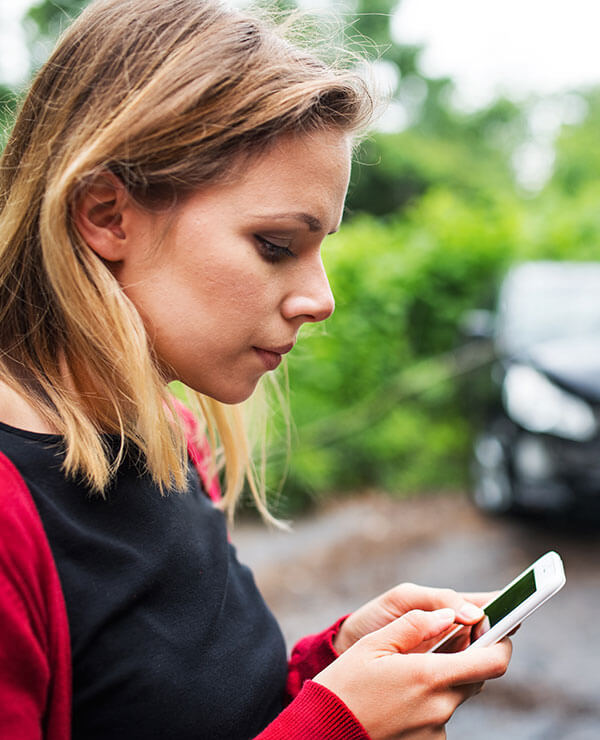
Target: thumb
x=411 y=629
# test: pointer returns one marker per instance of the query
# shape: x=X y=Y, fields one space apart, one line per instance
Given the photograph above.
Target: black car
x=540 y=445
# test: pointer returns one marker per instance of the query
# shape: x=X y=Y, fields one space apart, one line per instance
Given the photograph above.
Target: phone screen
x=497 y=609
x=510 y=599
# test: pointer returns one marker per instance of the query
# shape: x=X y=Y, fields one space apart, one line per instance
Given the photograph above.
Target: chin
x=229 y=396
x=231 y=399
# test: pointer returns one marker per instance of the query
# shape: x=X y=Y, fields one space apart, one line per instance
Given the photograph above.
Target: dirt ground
x=346 y=553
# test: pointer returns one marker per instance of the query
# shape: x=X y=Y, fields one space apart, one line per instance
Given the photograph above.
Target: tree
x=577 y=151
x=49 y=17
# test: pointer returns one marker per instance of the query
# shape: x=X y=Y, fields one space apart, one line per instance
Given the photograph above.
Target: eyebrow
x=312 y=222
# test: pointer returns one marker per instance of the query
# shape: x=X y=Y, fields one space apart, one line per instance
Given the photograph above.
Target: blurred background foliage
x=435 y=215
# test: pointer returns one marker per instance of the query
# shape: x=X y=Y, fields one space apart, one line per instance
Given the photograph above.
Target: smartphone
x=516 y=602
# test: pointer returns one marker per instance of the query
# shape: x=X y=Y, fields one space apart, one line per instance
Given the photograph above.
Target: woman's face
x=239 y=271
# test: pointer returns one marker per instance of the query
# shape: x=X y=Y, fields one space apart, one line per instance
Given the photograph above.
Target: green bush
x=375 y=393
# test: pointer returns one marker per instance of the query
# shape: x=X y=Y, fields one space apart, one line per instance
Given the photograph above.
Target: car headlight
x=538 y=405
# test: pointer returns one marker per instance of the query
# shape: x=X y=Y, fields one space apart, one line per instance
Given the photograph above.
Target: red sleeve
x=35 y=659
x=315 y=714
x=310 y=656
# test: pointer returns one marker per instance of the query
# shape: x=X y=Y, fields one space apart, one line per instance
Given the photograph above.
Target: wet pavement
x=337 y=559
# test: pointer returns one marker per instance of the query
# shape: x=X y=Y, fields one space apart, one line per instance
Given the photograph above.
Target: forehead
x=306 y=174
x=324 y=155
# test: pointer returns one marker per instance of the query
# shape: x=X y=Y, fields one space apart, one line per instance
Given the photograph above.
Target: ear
x=101 y=214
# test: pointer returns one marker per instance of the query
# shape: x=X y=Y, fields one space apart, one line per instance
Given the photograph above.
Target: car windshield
x=548 y=300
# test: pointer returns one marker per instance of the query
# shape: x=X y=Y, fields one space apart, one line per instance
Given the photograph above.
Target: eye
x=272 y=252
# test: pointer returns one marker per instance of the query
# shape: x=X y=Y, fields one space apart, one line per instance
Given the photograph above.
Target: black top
x=169 y=635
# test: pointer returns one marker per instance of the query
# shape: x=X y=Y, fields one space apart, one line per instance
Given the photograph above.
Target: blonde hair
x=165 y=94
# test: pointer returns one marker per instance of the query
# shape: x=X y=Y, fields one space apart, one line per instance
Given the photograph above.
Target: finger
x=450 y=641
x=460 y=641
x=446 y=703
x=480 y=598
x=481 y=628
x=466 y=691
x=406 y=633
x=426 y=733
x=408 y=596
x=476 y=665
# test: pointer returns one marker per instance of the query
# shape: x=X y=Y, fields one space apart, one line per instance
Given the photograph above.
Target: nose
x=311 y=299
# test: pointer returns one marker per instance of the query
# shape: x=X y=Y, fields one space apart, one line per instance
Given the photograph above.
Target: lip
x=272 y=356
x=283 y=350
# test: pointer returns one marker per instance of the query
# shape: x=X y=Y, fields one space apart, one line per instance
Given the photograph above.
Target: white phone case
x=549 y=579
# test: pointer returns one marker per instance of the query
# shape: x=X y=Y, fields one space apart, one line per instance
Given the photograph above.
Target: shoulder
x=18 y=515
x=24 y=554
x=35 y=670
x=26 y=561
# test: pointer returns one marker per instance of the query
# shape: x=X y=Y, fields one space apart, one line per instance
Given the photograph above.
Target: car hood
x=572 y=362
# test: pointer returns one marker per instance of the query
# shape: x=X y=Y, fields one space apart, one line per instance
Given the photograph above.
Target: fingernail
x=470 y=612
x=445 y=616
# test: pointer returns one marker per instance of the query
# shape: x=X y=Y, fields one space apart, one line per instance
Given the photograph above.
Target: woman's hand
x=402 y=599
x=399 y=693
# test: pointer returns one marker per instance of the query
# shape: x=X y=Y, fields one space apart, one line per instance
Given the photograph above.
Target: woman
x=163 y=199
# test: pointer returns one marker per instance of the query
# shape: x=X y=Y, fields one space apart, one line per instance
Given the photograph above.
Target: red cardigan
x=35 y=651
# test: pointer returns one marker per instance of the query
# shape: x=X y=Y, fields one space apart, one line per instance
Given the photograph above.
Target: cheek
x=234 y=296
x=201 y=294
x=220 y=303
x=233 y=285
